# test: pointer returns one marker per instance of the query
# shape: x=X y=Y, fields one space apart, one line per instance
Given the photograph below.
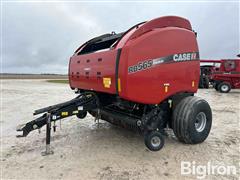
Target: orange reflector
x=193 y=83
x=119 y=85
x=166 y=88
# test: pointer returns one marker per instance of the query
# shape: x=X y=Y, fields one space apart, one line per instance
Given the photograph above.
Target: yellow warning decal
x=64 y=113
x=107 y=82
x=119 y=85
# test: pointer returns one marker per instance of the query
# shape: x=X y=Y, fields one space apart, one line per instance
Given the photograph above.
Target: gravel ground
x=84 y=151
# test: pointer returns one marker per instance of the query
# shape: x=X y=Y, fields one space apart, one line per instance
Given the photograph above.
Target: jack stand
x=48 y=136
x=97 y=121
x=54 y=126
x=98 y=117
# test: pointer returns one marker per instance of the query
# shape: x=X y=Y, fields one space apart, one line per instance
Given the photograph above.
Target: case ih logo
x=146 y=64
x=184 y=56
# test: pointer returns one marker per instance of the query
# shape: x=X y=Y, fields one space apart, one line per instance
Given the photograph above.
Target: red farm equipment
x=144 y=79
x=224 y=74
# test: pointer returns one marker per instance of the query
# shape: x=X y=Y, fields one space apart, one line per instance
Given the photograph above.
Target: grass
x=62 y=81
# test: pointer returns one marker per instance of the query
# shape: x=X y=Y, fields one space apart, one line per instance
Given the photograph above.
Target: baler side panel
x=148 y=86
x=94 y=71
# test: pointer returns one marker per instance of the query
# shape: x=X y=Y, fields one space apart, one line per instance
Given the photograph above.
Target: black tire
x=186 y=117
x=81 y=114
x=201 y=82
x=216 y=83
x=224 y=87
x=154 y=141
x=206 y=84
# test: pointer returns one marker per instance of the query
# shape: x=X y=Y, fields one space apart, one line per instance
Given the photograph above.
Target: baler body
x=146 y=64
x=143 y=79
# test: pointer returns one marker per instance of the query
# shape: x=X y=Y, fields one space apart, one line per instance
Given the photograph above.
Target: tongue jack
x=48 y=136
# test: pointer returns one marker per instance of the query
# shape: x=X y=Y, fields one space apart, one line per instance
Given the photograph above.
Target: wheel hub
x=155 y=141
x=200 y=122
x=224 y=88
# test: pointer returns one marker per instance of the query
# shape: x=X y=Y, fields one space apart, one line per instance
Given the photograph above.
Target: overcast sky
x=40 y=37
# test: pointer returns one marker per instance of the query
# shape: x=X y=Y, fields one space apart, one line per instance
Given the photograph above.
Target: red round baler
x=144 y=79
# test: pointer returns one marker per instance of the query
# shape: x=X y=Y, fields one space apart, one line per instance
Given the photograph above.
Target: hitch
x=82 y=103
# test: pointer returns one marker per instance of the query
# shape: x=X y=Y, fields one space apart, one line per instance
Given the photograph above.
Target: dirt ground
x=84 y=151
